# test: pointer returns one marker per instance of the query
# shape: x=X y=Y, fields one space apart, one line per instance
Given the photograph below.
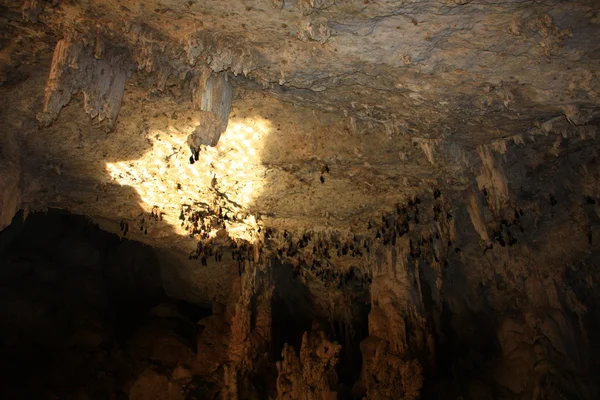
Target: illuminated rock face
x=377 y=199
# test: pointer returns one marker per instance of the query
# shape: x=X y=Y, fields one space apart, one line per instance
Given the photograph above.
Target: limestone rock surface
x=419 y=179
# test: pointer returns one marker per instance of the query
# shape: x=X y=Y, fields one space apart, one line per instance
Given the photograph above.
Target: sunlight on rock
x=227 y=177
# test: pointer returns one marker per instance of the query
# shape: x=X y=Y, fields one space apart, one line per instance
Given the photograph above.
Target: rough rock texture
x=250 y=333
x=420 y=179
x=312 y=375
x=151 y=385
x=99 y=73
x=10 y=170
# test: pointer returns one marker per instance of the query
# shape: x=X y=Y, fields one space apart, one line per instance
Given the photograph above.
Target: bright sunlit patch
x=165 y=180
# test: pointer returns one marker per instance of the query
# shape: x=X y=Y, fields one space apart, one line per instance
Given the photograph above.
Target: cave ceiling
x=325 y=114
x=434 y=69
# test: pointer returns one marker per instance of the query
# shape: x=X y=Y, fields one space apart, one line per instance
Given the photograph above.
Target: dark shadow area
x=350 y=336
x=496 y=332
x=83 y=310
x=292 y=310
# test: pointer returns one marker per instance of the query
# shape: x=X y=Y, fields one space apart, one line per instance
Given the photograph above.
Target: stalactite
x=493 y=179
x=476 y=215
x=428 y=146
x=75 y=68
x=217 y=97
x=212 y=94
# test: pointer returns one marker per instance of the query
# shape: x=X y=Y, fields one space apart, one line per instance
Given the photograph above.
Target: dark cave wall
x=84 y=312
x=503 y=318
x=72 y=243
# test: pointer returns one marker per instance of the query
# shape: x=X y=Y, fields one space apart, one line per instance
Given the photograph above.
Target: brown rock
x=152 y=385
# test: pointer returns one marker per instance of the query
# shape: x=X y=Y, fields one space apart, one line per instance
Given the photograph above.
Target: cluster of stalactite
x=388 y=260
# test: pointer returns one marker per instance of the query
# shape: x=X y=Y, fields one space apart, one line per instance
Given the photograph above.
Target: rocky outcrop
x=99 y=72
x=10 y=199
x=250 y=332
x=399 y=340
x=152 y=385
x=311 y=375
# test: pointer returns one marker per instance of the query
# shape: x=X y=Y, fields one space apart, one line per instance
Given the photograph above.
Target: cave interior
x=299 y=199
